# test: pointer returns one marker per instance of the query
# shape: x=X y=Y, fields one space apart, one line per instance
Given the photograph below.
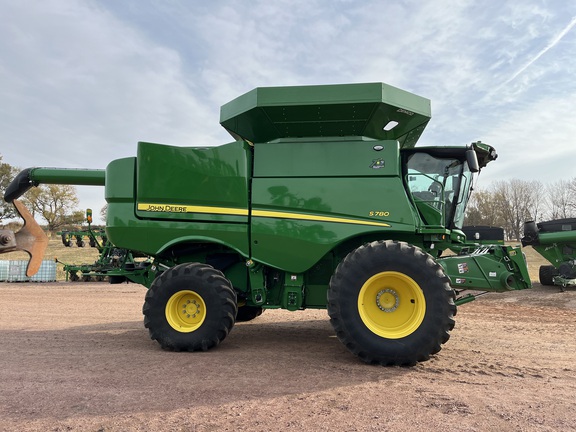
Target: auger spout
x=34 y=176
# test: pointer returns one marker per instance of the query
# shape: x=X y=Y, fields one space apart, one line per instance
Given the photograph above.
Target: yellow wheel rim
x=185 y=311
x=391 y=305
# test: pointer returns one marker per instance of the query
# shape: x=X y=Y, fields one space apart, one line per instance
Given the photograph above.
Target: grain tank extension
x=321 y=201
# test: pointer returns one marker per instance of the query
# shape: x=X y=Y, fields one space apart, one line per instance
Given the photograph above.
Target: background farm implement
x=113 y=263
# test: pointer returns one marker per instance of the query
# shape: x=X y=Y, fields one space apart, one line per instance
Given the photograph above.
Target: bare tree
x=7 y=173
x=480 y=210
x=104 y=211
x=573 y=197
x=57 y=204
x=561 y=199
x=515 y=202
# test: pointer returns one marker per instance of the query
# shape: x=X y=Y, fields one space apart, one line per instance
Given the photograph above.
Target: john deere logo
x=377 y=163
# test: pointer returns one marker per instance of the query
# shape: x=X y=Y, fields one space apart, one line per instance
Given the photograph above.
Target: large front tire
x=191 y=307
x=390 y=303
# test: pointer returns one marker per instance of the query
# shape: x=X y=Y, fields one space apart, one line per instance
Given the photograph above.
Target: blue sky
x=82 y=81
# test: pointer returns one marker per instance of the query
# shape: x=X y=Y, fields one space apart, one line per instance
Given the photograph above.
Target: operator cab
x=440 y=180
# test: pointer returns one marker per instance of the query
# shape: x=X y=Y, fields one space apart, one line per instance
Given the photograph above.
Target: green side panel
x=557 y=253
x=153 y=235
x=316 y=296
x=120 y=175
x=268 y=113
x=322 y=158
x=200 y=184
x=317 y=280
x=296 y=221
x=238 y=275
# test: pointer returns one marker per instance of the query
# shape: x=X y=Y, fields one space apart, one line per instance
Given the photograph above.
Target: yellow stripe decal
x=284 y=215
x=175 y=208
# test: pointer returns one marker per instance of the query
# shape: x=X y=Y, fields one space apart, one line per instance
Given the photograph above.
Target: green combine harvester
x=321 y=201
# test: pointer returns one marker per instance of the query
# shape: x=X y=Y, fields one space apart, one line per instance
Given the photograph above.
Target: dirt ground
x=76 y=357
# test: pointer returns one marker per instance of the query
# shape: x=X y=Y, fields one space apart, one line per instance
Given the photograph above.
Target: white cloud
x=81 y=88
x=536 y=57
x=539 y=141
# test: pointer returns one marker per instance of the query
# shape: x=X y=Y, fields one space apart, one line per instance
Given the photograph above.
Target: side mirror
x=472 y=160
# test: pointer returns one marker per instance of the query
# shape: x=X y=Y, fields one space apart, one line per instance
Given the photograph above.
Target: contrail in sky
x=548 y=47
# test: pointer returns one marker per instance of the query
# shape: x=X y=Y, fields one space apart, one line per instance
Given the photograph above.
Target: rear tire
x=248 y=313
x=546 y=274
x=113 y=280
x=390 y=303
x=191 y=307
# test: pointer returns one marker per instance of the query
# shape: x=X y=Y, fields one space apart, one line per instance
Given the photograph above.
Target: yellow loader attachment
x=30 y=238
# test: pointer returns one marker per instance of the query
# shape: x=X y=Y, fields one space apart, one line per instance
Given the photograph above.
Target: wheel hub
x=185 y=311
x=191 y=308
x=391 y=304
x=387 y=300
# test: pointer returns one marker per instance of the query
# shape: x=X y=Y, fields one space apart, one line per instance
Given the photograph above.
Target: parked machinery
x=112 y=264
x=321 y=201
x=555 y=240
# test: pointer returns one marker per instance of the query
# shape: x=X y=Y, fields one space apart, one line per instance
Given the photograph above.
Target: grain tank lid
x=374 y=110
